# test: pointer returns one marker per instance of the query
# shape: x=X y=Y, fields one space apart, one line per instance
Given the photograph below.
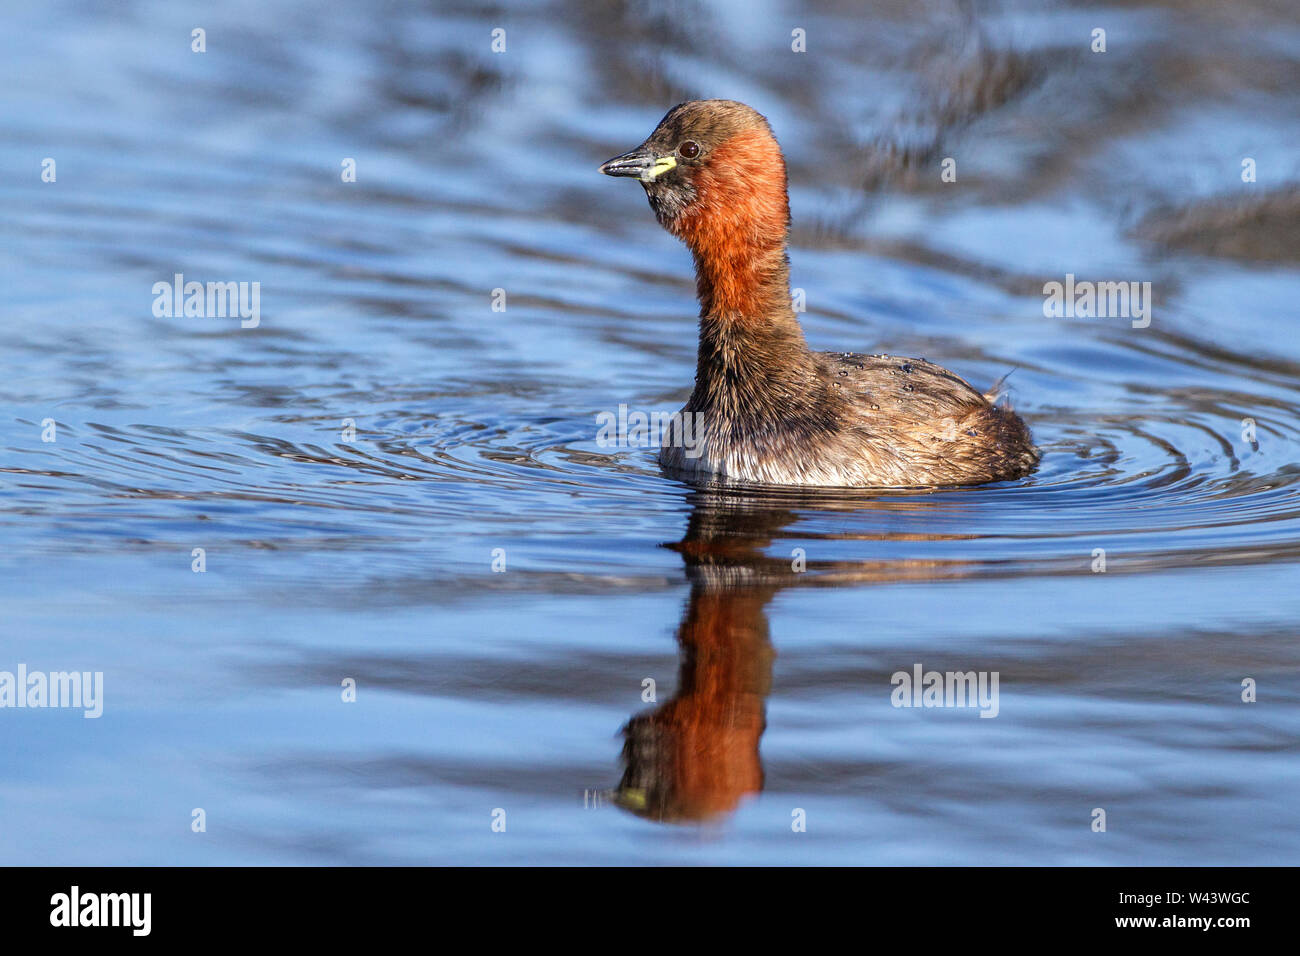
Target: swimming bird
x=767 y=409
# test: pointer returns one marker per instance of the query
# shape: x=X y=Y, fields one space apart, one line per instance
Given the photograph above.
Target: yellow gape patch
x=660 y=167
x=633 y=797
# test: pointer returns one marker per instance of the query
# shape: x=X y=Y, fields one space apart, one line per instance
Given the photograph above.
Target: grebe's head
x=712 y=169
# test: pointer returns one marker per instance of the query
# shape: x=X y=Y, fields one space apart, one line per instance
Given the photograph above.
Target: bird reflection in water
x=695 y=756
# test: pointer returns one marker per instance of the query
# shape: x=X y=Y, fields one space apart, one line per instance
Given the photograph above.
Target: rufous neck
x=737 y=228
x=745 y=282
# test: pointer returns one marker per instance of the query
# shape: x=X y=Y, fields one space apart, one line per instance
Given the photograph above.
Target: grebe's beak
x=641 y=163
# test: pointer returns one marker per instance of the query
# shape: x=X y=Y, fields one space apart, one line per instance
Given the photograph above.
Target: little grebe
x=771 y=410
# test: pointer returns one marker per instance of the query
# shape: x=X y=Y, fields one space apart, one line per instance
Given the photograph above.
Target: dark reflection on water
x=1172 y=450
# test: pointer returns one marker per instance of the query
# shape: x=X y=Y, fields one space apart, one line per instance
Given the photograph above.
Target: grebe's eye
x=689 y=149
